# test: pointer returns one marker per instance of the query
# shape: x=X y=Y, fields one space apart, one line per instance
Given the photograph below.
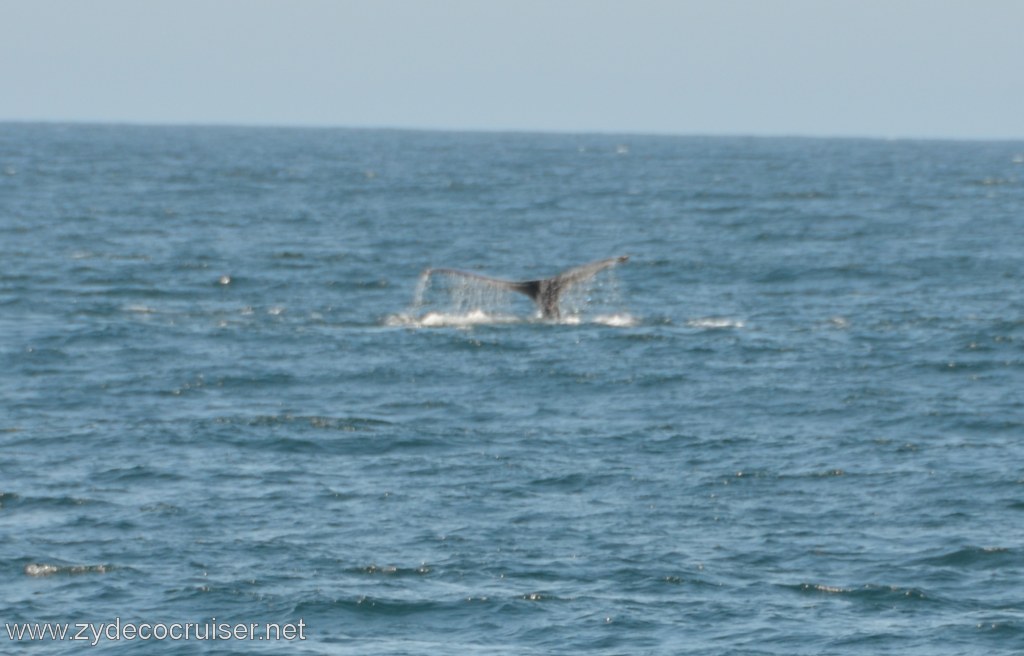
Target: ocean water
x=792 y=423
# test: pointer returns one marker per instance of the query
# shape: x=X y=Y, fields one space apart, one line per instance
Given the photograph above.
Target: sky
x=847 y=68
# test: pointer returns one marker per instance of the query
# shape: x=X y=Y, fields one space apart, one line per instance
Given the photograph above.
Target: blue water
x=804 y=434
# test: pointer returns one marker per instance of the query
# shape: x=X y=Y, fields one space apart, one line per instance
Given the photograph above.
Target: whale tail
x=547 y=292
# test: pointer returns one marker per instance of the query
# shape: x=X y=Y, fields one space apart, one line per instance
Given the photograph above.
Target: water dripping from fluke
x=588 y=293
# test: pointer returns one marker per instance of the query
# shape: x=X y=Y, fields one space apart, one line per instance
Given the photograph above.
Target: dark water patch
x=15 y=502
x=136 y=473
x=573 y=482
x=164 y=508
x=7 y=498
x=366 y=606
x=977 y=558
x=321 y=436
x=295 y=433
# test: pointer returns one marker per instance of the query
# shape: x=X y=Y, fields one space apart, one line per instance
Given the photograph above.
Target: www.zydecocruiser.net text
x=118 y=630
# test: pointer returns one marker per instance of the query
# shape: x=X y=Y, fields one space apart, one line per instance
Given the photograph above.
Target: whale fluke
x=547 y=292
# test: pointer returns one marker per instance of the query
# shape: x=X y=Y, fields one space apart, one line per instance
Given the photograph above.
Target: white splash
x=624 y=320
x=839 y=322
x=715 y=323
x=449 y=319
x=49 y=569
x=481 y=318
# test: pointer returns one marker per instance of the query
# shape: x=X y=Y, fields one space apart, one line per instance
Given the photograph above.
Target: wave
x=871 y=593
x=340 y=423
x=975 y=557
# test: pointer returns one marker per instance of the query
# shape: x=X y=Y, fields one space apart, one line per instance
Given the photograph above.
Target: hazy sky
x=883 y=68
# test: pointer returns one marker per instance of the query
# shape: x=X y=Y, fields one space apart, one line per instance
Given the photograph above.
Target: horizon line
x=272 y=125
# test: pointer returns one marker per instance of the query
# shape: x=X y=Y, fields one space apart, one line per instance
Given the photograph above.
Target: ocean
x=792 y=423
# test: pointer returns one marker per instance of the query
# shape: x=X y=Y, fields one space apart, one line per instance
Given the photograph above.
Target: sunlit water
x=790 y=424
